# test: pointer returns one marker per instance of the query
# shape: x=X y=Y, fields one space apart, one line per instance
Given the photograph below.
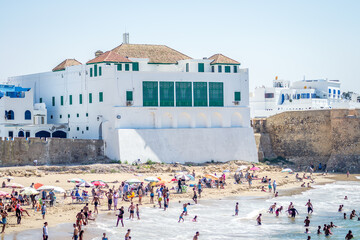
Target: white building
x=300 y=95
x=152 y=102
x=21 y=117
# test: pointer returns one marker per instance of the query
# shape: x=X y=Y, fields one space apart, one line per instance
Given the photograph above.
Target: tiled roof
x=221 y=59
x=66 y=63
x=155 y=53
x=109 y=56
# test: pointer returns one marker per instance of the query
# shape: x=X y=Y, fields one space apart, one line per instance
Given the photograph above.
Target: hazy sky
x=286 y=38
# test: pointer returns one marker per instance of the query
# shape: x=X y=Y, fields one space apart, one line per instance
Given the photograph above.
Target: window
x=91 y=72
x=237 y=96
x=200 y=67
x=90 y=97
x=338 y=92
x=27 y=134
x=40 y=100
x=60 y=116
x=183 y=94
x=235 y=69
x=119 y=67
x=62 y=100
x=216 y=94
x=187 y=67
x=212 y=68
x=100 y=72
x=200 y=94
x=11 y=134
x=313 y=95
x=227 y=69
x=150 y=94
x=27 y=115
x=269 y=95
x=51 y=117
x=77 y=129
x=219 y=68
x=77 y=115
x=95 y=70
x=80 y=98
x=87 y=128
x=129 y=96
x=69 y=115
x=101 y=97
x=53 y=101
x=329 y=90
x=87 y=114
x=127 y=67
x=10 y=115
x=135 y=66
x=166 y=94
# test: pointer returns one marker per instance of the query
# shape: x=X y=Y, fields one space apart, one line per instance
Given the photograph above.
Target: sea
x=216 y=218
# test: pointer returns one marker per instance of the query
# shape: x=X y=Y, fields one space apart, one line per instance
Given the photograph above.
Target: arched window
x=27 y=115
x=21 y=134
x=10 y=115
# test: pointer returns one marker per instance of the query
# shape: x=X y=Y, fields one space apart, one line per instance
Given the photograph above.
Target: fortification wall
x=21 y=151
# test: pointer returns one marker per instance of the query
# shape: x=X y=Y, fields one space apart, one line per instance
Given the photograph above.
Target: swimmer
x=127 y=235
x=272 y=208
x=319 y=230
x=349 y=235
x=185 y=208
x=196 y=237
x=292 y=212
x=258 y=219
x=353 y=214
x=307 y=222
x=344 y=215
x=237 y=209
x=195 y=219
x=332 y=225
x=307 y=231
x=120 y=216
x=131 y=210
x=182 y=216
x=310 y=207
x=340 y=208
x=278 y=211
x=345 y=198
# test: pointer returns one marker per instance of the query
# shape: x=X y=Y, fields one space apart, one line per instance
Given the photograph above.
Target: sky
x=291 y=39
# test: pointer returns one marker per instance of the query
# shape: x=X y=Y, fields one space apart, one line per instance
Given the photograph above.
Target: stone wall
x=21 y=151
x=329 y=137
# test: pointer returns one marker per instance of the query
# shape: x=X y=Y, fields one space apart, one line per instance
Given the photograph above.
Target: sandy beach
x=64 y=211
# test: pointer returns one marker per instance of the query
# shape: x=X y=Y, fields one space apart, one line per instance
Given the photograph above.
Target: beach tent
x=152 y=179
x=76 y=180
x=14 y=185
x=287 y=170
x=29 y=191
x=85 y=184
x=49 y=188
x=182 y=176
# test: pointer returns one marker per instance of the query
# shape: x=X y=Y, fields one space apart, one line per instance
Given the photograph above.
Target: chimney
x=126 y=38
x=98 y=53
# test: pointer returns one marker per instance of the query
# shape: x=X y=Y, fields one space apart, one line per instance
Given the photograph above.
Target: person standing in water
x=349 y=235
x=196 y=237
x=274 y=186
x=137 y=211
x=182 y=216
x=127 y=235
x=258 y=219
x=237 y=209
x=310 y=207
x=131 y=210
x=120 y=216
x=45 y=231
x=307 y=222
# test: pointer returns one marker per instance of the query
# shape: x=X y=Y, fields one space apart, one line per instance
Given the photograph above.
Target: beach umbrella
x=4 y=194
x=151 y=179
x=8 y=178
x=99 y=183
x=49 y=188
x=29 y=191
x=211 y=176
x=14 y=185
x=85 y=184
x=133 y=180
x=76 y=180
x=254 y=169
x=37 y=185
x=183 y=176
x=287 y=170
x=161 y=183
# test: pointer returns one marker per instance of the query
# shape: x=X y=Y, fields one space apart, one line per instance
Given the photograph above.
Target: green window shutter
x=70 y=99
x=80 y=98
x=166 y=94
x=53 y=101
x=227 y=69
x=101 y=97
x=201 y=67
x=87 y=128
x=187 y=67
x=129 y=96
x=183 y=94
x=127 y=67
x=237 y=96
x=119 y=67
x=235 y=69
x=95 y=70
x=62 y=100
x=200 y=94
x=135 y=66
x=216 y=94
x=150 y=94
x=40 y=100
x=77 y=115
x=100 y=71
x=91 y=72
x=60 y=116
x=68 y=115
x=219 y=68
x=90 y=97
x=212 y=68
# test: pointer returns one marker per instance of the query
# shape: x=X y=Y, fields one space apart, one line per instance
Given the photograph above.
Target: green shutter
x=135 y=66
x=95 y=70
x=100 y=71
x=77 y=115
x=219 y=68
x=150 y=94
x=60 y=116
x=200 y=94
x=90 y=97
x=101 y=97
x=200 y=67
x=53 y=101
x=127 y=67
x=187 y=67
x=237 y=96
x=80 y=98
x=91 y=72
x=227 y=69
x=216 y=94
x=62 y=100
x=40 y=100
x=119 y=67
x=166 y=94
x=129 y=95
x=70 y=99
x=235 y=69
x=183 y=94
x=69 y=115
